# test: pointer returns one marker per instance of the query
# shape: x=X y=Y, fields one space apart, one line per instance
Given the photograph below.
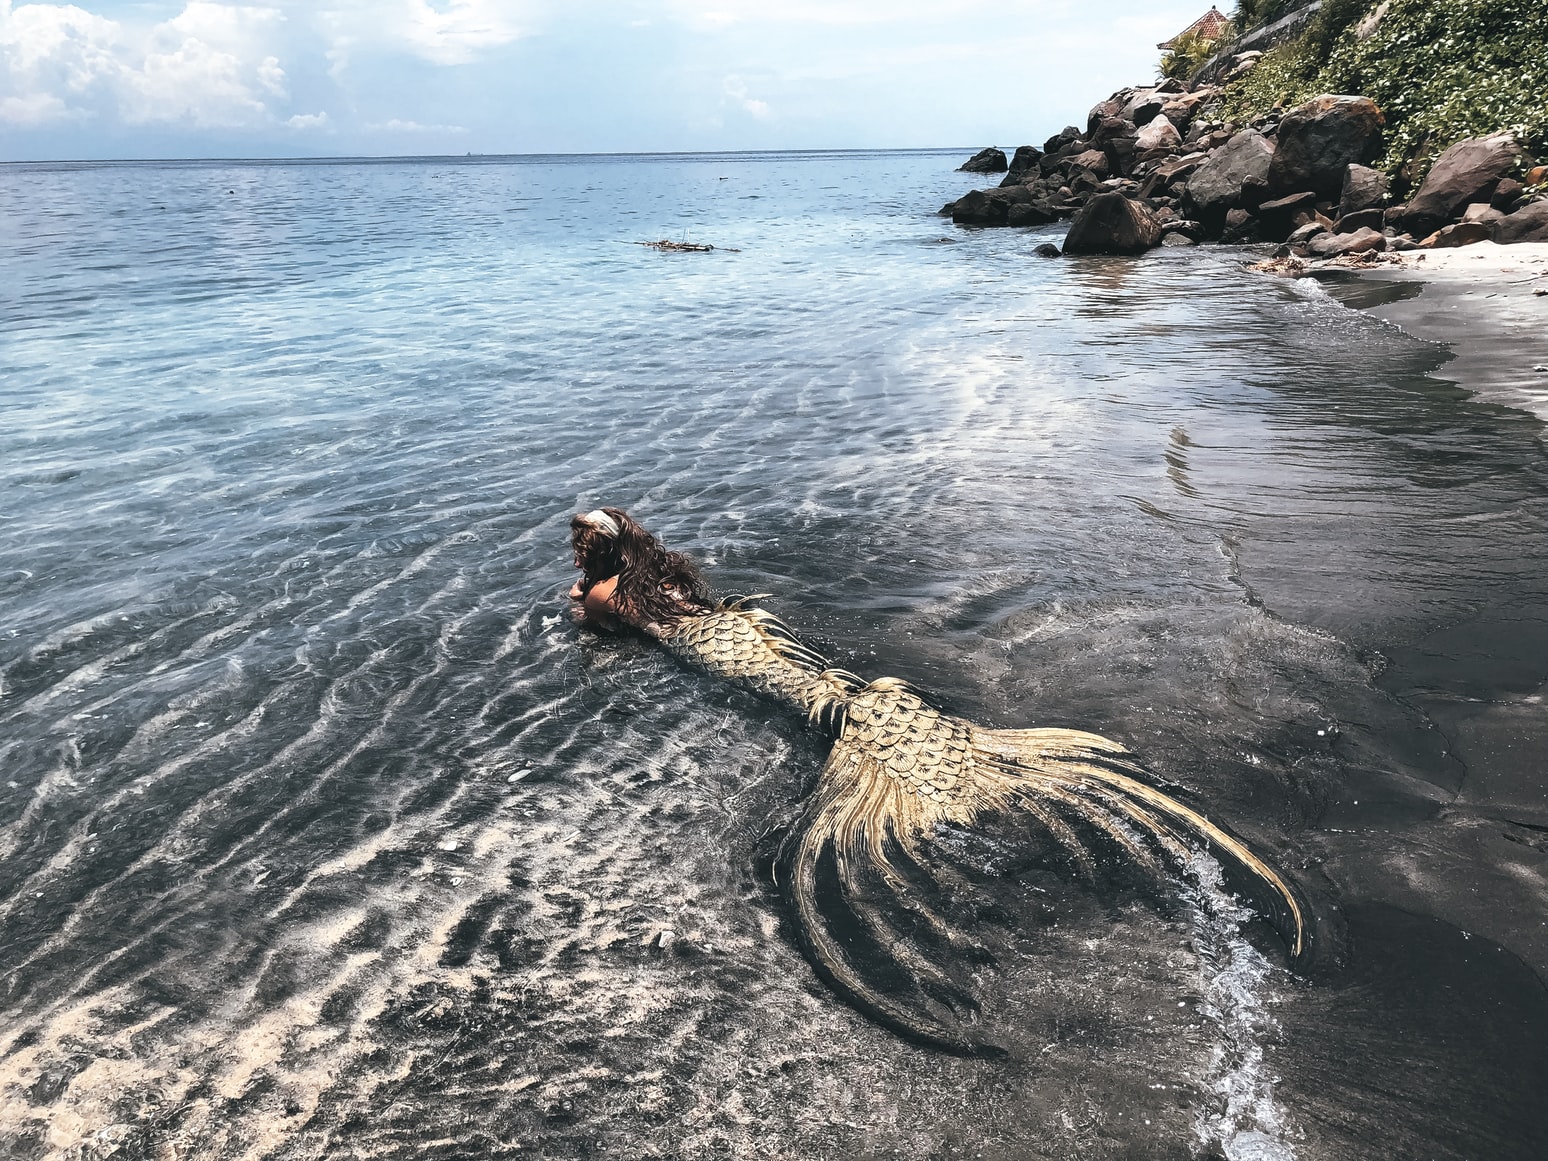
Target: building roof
x=1206 y=27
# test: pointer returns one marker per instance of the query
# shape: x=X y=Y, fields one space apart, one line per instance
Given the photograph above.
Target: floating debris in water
x=671 y=247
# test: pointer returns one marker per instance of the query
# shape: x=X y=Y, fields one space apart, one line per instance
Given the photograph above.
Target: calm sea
x=324 y=833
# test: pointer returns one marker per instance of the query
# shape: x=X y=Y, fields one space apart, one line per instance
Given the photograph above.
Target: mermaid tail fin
x=1104 y=784
x=899 y=770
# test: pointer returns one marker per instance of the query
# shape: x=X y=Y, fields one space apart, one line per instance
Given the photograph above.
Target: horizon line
x=470 y=156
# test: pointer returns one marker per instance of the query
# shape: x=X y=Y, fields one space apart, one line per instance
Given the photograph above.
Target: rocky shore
x=1158 y=166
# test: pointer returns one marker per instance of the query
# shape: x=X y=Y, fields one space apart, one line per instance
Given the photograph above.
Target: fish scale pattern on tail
x=899 y=770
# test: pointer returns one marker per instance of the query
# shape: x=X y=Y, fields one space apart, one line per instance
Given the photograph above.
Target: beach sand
x=1489 y=304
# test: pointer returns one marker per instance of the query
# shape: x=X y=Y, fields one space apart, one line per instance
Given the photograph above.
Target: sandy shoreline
x=1484 y=301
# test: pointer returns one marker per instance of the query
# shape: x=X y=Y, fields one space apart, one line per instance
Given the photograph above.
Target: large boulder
x=1459 y=234
x=1319 y=140
x=1024 y=163
x=1216 y=186
x=1528 y=224
x=1470 y=171
x=1179 y=109
x=1112 y=107
x=1059 y=140
x=1112 y=224
x=989 y=160
x=1115 y=137
x=1280 y=218
x=1015 y=205
x=1143 y=106
x=1364 y=189
x=1359 y=220
x=1334 y=245
x=1092 y=159
x=1157 y=133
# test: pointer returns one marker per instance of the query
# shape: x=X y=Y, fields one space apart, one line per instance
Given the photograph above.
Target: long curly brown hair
x=654 y=584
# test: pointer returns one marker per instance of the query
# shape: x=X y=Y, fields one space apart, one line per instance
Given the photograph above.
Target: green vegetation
x=1440 y=70
x=1189 y=52
x=1256 y=13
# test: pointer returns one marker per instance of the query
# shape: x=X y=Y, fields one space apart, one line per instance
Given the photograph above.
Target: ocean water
x=325 y=833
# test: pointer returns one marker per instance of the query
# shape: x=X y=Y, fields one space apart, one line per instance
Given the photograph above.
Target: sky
x=111 y=79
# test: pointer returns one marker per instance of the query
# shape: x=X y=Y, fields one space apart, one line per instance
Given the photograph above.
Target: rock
x=1112 y=224
x=1364 y=188
x=1402 y=242
x=1303 y=200
x=1470 y=171
x=1507 y=195
x=1147 y=110
x=1083 y=183
x=1278 y=219
x=1092 y=161
x=1048 y=250
x=1245 y=63
x=989 y=160
x=1482 y=212
x=1319 y=140
x=1528 y=224
x=1179 y=110
x=1216 y=186
x=1170 y=173
x=1016 y=205
x=1112 y=107
x=1304 y=234
x=1024 y=162
x=1371 y=21
x=981 y=208
x=1360 y=220
x=1460 y=234
x=1115 y=137
x=1178 y=238
x=1194 y=230
x=1537 y=175
x=1031 y=213
x=1241 y=229
x=1059 y=140
x=1158 y=133
x=1334 y=245
x=1255 y=191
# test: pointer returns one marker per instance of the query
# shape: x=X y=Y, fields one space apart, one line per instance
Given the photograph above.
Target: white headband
x=602 y=521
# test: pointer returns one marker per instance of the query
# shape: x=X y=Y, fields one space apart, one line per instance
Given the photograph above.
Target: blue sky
x=346 y=77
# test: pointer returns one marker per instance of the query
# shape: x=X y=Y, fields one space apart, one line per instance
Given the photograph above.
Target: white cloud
x=452 y=32
x=826 y=12
x=736 y=89
x=455 y=35
x=308 y=121
x=397 y=126
x=32 y=109
x=209 y=66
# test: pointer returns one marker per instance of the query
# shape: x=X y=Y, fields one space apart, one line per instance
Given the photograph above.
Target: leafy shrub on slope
x=1441 y=70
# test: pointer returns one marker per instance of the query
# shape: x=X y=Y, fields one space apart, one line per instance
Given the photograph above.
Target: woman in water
x=860 y=856
x=628 y=576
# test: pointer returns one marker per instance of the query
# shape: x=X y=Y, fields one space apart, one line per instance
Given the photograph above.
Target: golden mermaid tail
x=899 y=770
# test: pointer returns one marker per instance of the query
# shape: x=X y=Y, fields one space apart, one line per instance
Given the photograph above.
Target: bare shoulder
x=599 y=599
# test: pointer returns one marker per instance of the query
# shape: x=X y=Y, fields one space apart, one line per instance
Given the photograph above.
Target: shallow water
x=323 y=832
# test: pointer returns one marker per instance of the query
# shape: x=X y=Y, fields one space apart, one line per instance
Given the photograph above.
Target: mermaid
x=900 y=771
